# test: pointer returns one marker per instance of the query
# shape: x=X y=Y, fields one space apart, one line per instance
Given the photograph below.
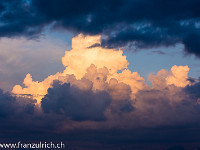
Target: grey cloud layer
x=143 y=23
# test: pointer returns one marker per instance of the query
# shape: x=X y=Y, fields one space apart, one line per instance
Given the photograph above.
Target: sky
x=104 y=74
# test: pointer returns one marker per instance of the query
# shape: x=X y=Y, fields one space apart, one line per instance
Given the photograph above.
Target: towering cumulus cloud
x=97 y=64
x=97 y=90
x=83 y=55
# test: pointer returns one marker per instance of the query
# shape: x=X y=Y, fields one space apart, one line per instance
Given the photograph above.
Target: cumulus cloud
x=82 y=55
x=91 y=93
x=35 y=88
x=79 y=105
x=170 y=106
x=178 y=76
x=100 y=66
x=78 y=61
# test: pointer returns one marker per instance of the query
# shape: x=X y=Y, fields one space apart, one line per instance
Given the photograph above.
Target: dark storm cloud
x=158 y=116
x=18 y=18
x=22 y=115
x=15 y=113
x=9 y=105
x=193 y=91
x=140 y=23
x=77 y=104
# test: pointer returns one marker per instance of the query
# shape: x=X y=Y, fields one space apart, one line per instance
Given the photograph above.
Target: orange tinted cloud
x=96 y=69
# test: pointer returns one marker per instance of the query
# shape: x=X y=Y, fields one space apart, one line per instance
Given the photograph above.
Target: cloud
x=167 y=107
x=158 y=52
x=142 y=24
x=78 y=61
x=19 y=55
x=178 y=76
x=77 y=104
x=171 y=101
x=15 y=112
x=82 y=55
x=126 y=96
x=193 y=91
x=97 y=92
x=11 y=105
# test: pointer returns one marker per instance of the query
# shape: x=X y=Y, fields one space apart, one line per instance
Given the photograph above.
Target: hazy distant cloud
x=20 y=56
x=143 y=24
x=159 y=52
